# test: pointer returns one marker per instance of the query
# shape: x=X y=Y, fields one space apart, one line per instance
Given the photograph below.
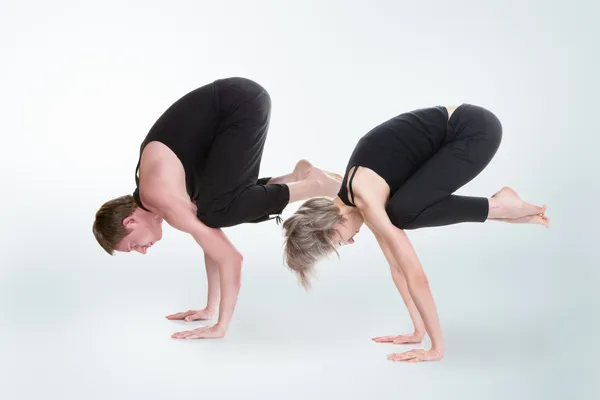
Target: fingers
x=199 y=333
x=199 y=316
x=416 y=355
x=397 y=339
x=181 y=335
x=412 y=355
x=384 y=339
x=181 y=315
x=406 y=339
x=193 y=334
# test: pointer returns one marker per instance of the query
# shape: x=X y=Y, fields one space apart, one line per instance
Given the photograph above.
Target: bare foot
x=506 y=204
x=328 y=186
x=301 y=169
x=530 y=219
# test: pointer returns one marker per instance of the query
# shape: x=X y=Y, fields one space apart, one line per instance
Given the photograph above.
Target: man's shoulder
x=161 y=175
x=158 y=161
x=156 y=149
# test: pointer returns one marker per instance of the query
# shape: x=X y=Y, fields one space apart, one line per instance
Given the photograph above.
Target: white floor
x=83 y=82
x=516 y=326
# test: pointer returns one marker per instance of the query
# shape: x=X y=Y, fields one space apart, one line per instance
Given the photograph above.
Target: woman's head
x=315 y=231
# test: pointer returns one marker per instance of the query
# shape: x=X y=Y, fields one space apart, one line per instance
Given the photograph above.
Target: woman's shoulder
x=369 y=188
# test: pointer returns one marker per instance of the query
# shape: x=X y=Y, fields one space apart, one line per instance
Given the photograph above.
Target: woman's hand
x=205 y=332
x=405 y=257
x=417 y=355
x=193 y=315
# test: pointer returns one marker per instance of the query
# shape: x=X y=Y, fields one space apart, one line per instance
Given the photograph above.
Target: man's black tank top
x=187 y=127
x=218 y=133
x=397 y=147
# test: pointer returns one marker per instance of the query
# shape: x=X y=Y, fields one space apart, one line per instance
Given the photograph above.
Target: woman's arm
x=402 y=286
x=404 y=254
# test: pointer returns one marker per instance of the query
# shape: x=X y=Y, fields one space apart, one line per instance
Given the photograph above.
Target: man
x=198 y=170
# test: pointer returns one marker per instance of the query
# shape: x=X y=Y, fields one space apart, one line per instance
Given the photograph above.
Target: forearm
x=219 y=249
x=405 y=257
x=418 y=287
x=230 y=272
x=400 y=283
x=212 y=275
x=402 y=286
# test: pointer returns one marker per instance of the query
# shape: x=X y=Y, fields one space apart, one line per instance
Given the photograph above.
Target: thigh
x=236 y=152
x=453 y=166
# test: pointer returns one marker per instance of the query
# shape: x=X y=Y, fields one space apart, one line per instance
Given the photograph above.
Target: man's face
x=144 y=232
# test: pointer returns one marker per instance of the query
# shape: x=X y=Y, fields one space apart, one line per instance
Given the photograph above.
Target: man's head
x=121 y=225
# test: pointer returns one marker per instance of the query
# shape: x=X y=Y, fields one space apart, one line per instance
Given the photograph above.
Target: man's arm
x=212 y=276
x=212 y=302
x=179 y=213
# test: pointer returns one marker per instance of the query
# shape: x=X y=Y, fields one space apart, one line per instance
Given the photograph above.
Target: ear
x=130 y=221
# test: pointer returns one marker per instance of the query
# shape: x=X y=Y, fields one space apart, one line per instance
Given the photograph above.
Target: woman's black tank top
x=397 y=147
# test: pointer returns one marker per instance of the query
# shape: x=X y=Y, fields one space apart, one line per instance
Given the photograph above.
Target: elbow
x=234 y=258
x=417 y=279
x=231 y=268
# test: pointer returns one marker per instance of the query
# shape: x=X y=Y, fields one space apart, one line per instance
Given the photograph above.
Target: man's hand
x=192 y=315
x=416 y=337
x=205 y=332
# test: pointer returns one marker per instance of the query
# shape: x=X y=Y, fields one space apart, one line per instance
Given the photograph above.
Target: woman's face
x=347 y=230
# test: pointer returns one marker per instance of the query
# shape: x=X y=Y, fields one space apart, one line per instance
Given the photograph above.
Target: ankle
x=496 y=208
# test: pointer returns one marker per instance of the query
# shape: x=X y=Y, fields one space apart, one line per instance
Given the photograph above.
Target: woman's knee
x=402 y=212
x=493 y=129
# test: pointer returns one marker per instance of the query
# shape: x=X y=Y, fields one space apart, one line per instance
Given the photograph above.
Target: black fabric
x=218 y=131
x=425 y=158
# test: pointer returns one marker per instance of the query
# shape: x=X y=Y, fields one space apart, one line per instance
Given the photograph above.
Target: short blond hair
x=309 y=236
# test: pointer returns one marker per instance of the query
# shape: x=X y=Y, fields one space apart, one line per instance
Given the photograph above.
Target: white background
x=81 y=84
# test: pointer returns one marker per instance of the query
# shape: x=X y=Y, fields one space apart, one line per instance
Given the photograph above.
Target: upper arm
x=163 y=184
x=180 y=213
x=370 y=197
x=391 y=239
x=377 y=220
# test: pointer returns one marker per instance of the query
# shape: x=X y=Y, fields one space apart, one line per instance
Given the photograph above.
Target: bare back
x=162 y=178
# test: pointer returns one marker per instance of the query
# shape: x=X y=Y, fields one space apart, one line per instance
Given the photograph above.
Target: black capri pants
x=426 y=199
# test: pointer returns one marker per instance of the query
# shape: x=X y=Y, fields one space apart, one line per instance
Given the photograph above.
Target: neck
x=344 y=209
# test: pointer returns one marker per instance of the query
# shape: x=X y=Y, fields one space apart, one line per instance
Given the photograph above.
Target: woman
x=402 y=175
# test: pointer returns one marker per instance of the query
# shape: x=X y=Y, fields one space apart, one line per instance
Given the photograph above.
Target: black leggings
x=426 y=199
x=231 y=190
